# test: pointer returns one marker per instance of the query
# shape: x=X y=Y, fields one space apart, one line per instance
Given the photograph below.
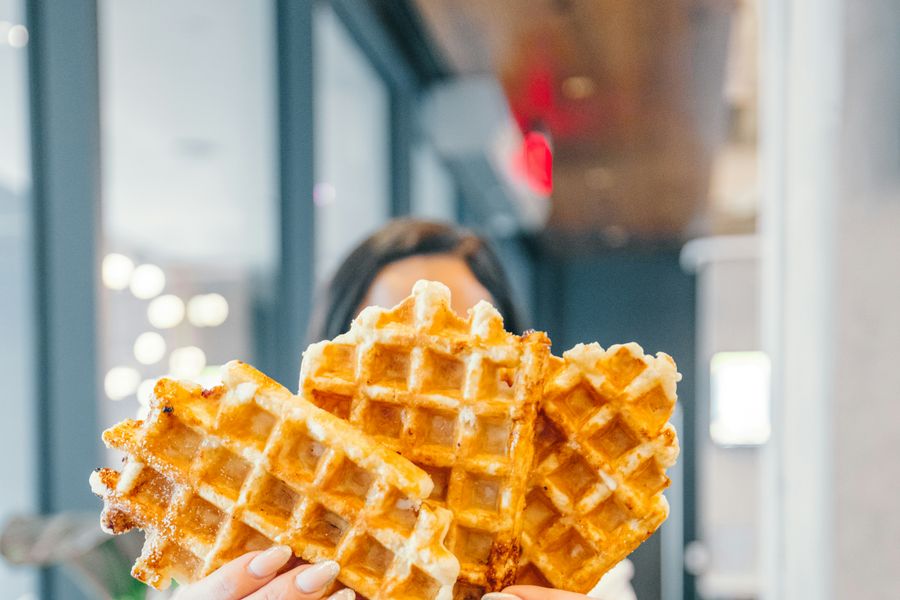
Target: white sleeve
x=616 y=584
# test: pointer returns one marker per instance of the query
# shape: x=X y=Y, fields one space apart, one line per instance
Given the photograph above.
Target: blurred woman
x=382 y=270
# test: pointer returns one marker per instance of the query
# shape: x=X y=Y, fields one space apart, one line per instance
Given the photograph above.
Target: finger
x=240 y=577
x=293 y=563
x=532 y=592
x=306 y=582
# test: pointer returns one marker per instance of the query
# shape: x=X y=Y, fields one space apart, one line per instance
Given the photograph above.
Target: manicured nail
x=267 y=564
x=343 y=595
x=317 y=576
x=500 y=596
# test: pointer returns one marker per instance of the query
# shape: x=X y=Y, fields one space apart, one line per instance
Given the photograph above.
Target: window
x=739 y=398
x=189 y=232
x=433 y=190
x=352 y=139
x=16 y=363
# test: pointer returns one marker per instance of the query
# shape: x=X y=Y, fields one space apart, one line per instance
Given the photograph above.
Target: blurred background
x=716 y=179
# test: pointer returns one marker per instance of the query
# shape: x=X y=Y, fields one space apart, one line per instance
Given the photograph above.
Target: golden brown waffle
x=213 y=474
x=458 y=398
x=602 y=445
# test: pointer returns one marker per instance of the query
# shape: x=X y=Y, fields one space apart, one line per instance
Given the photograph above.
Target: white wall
x=867 y=309
x=831 y=292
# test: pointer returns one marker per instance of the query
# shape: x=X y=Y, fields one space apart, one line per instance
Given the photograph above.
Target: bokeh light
x=17 y=37
x=121 y=382
x=166 y=311
x=187 y=362
x=207 y=310
x=147 y=281
x=149 y=348
x=116 y=271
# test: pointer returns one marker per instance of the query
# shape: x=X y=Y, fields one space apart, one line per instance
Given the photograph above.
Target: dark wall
x=621 y=296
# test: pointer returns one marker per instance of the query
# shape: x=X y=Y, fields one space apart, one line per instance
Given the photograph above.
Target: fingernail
x=500 y=596
x=268 y=563
x=317 y=576
x=342 y=595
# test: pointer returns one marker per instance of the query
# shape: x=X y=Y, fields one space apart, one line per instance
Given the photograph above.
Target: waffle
x=213 y=474
x=458 y=397
x=602 y=445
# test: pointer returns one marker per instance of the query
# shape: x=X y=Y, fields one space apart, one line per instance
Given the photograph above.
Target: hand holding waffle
x=457 y=459
x=214 y=474
x=262 y=575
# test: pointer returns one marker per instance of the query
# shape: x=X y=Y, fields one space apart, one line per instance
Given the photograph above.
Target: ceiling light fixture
x=578 y=87
x=599 y=179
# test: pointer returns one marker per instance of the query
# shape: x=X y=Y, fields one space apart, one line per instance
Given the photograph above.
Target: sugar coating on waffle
x=457 y=396
x=602 y=445
x=213 y=474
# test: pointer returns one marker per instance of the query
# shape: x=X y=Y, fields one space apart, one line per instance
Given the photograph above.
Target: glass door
x=352 y=143
x=189 y=234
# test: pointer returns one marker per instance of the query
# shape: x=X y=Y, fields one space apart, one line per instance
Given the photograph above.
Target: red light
x=535 y=163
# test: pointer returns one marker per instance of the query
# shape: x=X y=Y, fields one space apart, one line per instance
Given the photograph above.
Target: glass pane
x=17 y=443
x=189 y=231
x=352 y=139
x=433 y=191
x=739 y=398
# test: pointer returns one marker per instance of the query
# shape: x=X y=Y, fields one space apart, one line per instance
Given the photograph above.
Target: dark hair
x=339 y=300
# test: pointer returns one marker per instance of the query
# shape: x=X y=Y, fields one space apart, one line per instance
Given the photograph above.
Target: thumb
x=240 y=577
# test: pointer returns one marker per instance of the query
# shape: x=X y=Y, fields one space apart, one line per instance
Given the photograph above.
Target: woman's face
x=395 y=281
